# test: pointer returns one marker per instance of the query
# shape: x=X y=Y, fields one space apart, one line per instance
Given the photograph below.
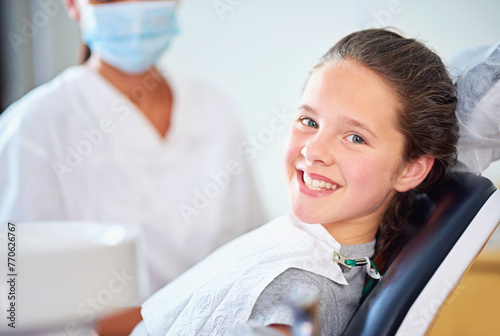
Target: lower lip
x=313 y=193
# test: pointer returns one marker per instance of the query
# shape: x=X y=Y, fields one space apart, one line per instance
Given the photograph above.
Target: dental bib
x=219 y=292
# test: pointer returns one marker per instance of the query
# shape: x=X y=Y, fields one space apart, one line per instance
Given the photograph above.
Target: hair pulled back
x=427 y=98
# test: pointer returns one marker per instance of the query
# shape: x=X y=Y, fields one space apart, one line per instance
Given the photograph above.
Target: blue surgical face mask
x=132 y=35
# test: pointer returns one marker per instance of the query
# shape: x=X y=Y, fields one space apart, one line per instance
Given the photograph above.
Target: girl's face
x=344 y=156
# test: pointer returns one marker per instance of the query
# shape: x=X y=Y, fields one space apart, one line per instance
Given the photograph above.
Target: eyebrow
x=307 y=108
x=343 y=119
x=353 y=122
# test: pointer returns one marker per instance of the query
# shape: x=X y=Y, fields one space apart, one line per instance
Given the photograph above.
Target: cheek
x=291 y=151
x=370 y=173
x=358 y=172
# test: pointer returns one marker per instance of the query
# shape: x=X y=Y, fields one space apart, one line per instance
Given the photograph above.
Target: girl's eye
x=356 y=139
x=308 y=122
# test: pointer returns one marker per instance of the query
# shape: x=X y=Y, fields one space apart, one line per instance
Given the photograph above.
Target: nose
x=318 y=152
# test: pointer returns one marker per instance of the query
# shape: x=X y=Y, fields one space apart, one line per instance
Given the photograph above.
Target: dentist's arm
x=120 y=324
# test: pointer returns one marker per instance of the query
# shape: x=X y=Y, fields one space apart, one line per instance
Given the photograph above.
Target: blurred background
x=259 y=52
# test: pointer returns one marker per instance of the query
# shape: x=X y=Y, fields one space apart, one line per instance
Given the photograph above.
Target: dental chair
x=449 y=227
x=445 y=233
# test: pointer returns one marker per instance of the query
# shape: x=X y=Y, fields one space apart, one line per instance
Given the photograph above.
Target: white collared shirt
x=77 y=149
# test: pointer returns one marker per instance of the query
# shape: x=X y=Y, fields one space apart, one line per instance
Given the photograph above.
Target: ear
x=414 y=173
x=72 y=7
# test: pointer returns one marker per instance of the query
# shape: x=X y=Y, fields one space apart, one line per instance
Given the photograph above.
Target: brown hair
x=427 y=118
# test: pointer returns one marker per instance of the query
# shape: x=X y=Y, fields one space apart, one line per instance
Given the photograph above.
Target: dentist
x=119 y=140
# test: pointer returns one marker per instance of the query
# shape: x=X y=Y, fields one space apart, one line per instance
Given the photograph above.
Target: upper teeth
x=317 y=184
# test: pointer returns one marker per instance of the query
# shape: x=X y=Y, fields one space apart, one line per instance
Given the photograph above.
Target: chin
x=305 y=215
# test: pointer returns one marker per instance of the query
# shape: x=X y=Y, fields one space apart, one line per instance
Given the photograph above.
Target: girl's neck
x=352 y=233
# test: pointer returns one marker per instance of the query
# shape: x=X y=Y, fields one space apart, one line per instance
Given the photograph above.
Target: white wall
x=260 y=52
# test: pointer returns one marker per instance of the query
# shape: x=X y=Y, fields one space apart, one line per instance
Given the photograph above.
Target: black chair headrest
x=444 y=215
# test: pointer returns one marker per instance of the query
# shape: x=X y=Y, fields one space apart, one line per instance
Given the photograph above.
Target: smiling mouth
x=316 y=184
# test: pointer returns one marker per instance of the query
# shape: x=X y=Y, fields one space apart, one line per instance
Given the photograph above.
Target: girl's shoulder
x=334 y=303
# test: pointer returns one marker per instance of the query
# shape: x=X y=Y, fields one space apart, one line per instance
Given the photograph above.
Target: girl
x=375 y=125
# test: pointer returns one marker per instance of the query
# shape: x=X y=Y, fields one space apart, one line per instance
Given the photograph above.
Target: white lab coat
x=77 y=149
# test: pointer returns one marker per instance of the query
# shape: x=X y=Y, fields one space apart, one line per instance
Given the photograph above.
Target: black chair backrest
x=422 y=247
